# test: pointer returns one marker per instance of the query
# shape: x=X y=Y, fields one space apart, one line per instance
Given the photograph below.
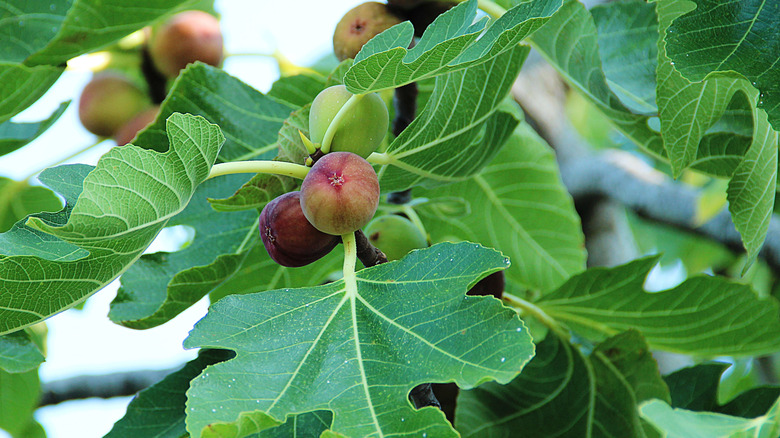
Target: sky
x=86 y=342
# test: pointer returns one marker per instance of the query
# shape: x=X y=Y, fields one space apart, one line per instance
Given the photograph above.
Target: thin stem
x=350 y=259
x=536 y=312
x=334 y=124
x=379 y=158
x=495 y=11
x=68 y=158
x=274 y=167
x=412 y=215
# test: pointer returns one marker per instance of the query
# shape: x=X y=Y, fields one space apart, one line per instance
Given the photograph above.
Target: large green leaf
x=679 y=423
x=348 y=348
x=27 y=26
x=569 y=41
x=461 y=128
x=15 y=135
x=19 y=199
x=297 y=90
x=453 y=42
x=126 y=200
x=706 y=316
x=519 y=206
x=19 y=395
x=248 y=119
x=627 y=36
x=738 y=36
x=21 y=85
x=161 y=285
x=18 y=353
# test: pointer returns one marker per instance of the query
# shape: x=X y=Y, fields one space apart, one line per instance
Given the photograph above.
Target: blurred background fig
x=288 y=237
x=395 y=235
x=109 y=101
x=126 y=134
x=340 y=194
x=360 y=132
x=359 y=25
x=185 y=38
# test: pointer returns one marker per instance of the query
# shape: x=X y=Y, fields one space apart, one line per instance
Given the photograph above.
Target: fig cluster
x=116 y=105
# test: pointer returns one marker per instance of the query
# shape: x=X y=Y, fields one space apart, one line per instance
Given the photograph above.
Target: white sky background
x=86 y=342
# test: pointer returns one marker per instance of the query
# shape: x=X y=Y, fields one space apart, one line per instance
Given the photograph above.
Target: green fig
x=395 y=235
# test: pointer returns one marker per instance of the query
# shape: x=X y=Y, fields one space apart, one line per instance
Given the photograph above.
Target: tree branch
x=100 y=385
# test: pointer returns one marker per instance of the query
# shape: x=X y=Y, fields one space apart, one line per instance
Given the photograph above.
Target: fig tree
x=126 y=134
x=109 y=101
x=340 y=194
x=394 y=235
x=359 y=25
x=185 y=38
x=361 y=130
x=288 y=237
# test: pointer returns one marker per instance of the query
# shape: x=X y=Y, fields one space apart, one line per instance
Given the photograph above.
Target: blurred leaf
x=15 y=135
x=627 y=36
x=20 y=86
x=19 y=199
x=248 y=119
x=18 y=353
x=126 y=200
x=705 y=316
x=451 y=43
x=732 y=36
x=460 y=130
x=28 y=26
x=354 y=352
x=679 y=423
x=519 y=206
x=159 y=286
x=298 y=90
x=19 y=395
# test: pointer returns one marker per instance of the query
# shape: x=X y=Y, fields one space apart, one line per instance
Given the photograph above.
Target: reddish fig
x=340 y=194
x=185 y=38
x=288 y=237
x=109 y=101
x=359 y=25
x=126 y=134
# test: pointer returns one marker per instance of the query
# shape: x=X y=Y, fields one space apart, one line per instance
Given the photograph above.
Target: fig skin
x=109 y=101
x=340 y=194
x=186 y=37
x=360 y=132
x=288 y=237
x=394 y=235
x=126 y=134
x=359 y=25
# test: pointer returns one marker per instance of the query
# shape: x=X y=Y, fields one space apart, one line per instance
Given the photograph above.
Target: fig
x=109 y=101
x=288 y=237
x=360 y=132
x=126 y=134
x=185 y=38
x=359 y=25
x=340 y=194
x=394 y=235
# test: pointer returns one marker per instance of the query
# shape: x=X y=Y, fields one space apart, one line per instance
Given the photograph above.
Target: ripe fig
x=288 y=237
x=394 y=235
x=359 y=25
x=360 y=132
x=185 y=38
x=126 y=134
x=109 y=101
x=340 y=194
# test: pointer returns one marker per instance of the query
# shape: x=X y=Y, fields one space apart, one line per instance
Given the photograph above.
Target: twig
x=101 y=385
x=154 y=79
x=367 y=253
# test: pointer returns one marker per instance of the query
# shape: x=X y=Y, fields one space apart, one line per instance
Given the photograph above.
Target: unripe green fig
x=288 y=237
x=340 y=194
x=185 y=38
x=109 y=101
x=394 y=235
x=359 y=25
x=126 y=134
x=362 y=129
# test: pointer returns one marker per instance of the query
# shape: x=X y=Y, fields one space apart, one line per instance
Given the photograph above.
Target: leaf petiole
x=491 y=8
x=334 y=124
x=378 y=158
x=273 y=167
x=536 y=312
x=350 y=259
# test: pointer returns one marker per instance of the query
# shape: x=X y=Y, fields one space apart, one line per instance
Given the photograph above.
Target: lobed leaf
x=451 y=43
x=354 y=352
x=126 y=200
x=704 y=316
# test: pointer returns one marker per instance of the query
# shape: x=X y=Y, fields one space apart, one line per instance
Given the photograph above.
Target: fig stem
x=491 y=8
x=379 y=158
x=350 y=259
x=334 y=124
x=368 y=254
x=415 y=219
x=536 y=312
x=273 y=167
